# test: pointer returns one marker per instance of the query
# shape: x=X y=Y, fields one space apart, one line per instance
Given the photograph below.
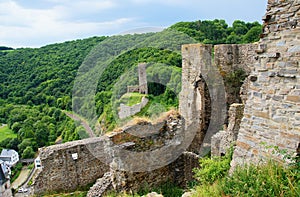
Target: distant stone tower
x=143 y=86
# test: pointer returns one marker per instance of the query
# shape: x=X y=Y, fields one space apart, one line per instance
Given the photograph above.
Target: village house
x=10 y=157
x=5 y=190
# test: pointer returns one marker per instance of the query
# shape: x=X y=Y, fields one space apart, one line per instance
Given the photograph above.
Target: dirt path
x=22 y=178
x=83 y=123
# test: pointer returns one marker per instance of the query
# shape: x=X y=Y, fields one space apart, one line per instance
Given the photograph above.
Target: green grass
x=16 y=171
x=131 y=99
x=167 y=189
x=5 y=132
x=2 y=51
x=73 y=194
x=269 y=179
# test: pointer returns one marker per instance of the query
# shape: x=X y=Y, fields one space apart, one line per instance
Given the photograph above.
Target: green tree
x=28 y=153
x=25 y=143
x=239 y=27
x=253 y=34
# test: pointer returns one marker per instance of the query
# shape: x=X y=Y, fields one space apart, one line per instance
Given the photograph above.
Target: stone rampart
x=272 y=109
x=126 y=111
x=69 y=166
x=66 y=167
x=221 y=141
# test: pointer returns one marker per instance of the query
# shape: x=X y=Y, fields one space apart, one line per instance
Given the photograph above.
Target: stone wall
x=231 y=59
x=66 y=167
x=222 y=140
x=272 y=110
x=195 y=102
x=204 y=92
x=179 y=172
x=126 y=111
x=61 y=172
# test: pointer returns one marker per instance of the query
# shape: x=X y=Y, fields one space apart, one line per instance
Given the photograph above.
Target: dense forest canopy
x=4 y=48
x=36 y=84
x=218 y=31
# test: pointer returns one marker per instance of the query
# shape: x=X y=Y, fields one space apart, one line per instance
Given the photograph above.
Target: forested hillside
x=41 y=76
x=218 y=31
x=36 y=84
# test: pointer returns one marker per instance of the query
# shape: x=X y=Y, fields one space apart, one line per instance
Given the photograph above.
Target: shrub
x=169 y=190
x=212 y=169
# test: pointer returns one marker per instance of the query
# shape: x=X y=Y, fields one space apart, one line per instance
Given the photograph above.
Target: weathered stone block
x=295 y=99
x=243 y=145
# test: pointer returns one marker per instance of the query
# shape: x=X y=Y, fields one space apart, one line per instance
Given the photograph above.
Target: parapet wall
x=272 y=110
x=61 y=172
x=69 y=166
x=126 y=111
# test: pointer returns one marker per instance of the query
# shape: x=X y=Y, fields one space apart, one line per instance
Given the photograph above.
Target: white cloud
x=22 y=25
x=165 y=2
x=37 y=22
x=77 y=8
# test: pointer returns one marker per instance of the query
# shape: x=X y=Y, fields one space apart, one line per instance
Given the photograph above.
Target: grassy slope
x=131 y=99
x=5 y=132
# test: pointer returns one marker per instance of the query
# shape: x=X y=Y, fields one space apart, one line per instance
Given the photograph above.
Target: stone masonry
x=63 y=171
x=230 y=58
x=272 y=110
x=126 y=111
x=68 y=166
x=142 y=88
x=205 y=97
x=271 y=98
x=222 y=140
x=178 y=172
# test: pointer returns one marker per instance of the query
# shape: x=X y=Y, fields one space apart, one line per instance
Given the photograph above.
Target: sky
x=35 y=23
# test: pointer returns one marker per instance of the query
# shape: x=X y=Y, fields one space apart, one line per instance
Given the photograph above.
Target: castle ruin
x=142 y=88
x=268 y=112
x=127 y=111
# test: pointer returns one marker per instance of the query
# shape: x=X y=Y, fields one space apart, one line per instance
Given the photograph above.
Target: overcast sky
x=34 y=23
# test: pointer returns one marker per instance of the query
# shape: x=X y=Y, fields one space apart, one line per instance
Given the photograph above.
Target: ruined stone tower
x=143 y=86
